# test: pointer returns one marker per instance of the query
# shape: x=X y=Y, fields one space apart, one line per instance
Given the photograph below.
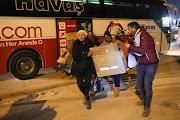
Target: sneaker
x=146 y=112
x=116 y=91
x=139 y=103
x=88 y=104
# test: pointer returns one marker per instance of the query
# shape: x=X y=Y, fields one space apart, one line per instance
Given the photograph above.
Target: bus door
x=63 y=28
x=66 y=26
x=157 y=39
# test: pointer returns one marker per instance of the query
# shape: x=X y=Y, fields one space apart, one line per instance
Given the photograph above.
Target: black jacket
x=95 y=42
x=79 y=53
x=80 y=50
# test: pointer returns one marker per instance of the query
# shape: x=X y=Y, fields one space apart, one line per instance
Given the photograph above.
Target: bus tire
x=24 y=65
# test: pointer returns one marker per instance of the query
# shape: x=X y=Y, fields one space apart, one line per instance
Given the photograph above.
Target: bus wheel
x=24 y=65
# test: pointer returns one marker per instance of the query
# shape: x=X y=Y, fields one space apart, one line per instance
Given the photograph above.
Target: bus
x=33 y=33
x=176 y=30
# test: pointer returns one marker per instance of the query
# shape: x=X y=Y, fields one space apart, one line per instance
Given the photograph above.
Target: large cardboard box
x=71 y=37
x=108 y=60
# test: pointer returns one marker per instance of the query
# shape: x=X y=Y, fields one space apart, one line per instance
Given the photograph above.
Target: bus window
x=85 y=24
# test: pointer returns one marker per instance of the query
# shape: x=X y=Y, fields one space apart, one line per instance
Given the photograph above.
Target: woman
x=83 y=65
x=116 y=78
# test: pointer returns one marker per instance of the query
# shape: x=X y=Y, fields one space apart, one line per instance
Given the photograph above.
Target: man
x=95 y=42
x=107 y=38
x=145 y=50
x=93 y=39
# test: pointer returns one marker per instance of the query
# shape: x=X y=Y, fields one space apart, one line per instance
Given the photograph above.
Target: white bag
x=131 y=60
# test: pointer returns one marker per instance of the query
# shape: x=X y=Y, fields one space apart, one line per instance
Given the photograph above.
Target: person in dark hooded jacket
x=83 y=65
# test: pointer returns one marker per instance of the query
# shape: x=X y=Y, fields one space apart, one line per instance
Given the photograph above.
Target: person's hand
x=127 y=45
x=90 y=53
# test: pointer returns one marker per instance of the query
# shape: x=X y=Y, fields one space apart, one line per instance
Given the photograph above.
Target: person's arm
x=144 y=44
x=78 y=54
x=97 y=41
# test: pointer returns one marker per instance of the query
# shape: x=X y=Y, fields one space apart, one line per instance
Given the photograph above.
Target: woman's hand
x=90 y=53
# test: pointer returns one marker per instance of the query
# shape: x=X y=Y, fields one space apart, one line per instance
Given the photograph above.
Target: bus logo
x=62 y=25
x=20 y=32
x=62 y=34
x=45 y=5
x=147 y=27
x=63 y=43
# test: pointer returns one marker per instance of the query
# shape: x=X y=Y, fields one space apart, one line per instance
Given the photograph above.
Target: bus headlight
x=166 y=21
x=176 y=35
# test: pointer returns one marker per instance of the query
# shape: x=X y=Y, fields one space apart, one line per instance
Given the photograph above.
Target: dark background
x=177 y=4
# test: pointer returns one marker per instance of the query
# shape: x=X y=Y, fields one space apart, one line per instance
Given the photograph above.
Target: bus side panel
x=3 y=69
x=50 y=53
x=54 y=52
x=28 y=33
x=100 y=25
x=164 y=44
x=46 y=48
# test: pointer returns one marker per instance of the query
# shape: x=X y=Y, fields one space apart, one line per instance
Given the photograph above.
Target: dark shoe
x=88 y=104
x=84 y=101
x=139 y=103
x=146 y=112
x=92 y=96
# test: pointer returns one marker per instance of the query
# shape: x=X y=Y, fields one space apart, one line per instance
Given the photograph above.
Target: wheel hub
x=25 y=65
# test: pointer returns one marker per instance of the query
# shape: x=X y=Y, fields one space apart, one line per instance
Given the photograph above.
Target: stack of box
x=66 y=57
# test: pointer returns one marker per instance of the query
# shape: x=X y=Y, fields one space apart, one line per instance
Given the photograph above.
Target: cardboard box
x=69 y=59
x=63 y=58
x=71 y=37
x=108 y=60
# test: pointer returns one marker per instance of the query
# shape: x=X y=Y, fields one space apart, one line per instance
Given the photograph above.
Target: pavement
x=46 y=80
x=49 y=78
x=174 y=50
x=53 y=101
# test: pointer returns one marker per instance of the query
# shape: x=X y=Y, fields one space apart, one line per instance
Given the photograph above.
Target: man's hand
x=127 y=45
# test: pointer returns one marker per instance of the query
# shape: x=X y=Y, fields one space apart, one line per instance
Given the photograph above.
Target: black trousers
x=84 y=81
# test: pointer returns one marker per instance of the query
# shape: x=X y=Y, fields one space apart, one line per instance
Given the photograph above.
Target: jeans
x=116 y=80
x=145 y=77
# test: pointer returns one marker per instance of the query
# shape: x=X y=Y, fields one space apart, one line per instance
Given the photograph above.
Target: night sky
x=177 y=4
